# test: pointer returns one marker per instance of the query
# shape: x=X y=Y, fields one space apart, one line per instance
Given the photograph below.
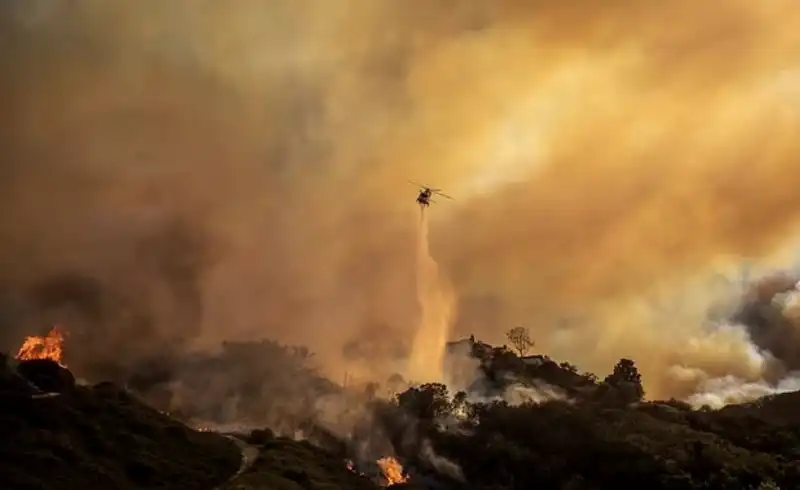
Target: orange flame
x=392 y=470
x=51 y=346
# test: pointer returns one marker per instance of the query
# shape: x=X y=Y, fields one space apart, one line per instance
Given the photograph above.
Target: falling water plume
x=436 y=300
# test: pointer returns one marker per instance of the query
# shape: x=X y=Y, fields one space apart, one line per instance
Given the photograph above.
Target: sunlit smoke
x=436 y=301
x=637 y=144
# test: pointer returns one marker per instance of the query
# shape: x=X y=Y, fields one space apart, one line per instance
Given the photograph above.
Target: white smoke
x=442 y=464
x=518 y=393
x=719 y=392
x=463 y=373
x=716 y=391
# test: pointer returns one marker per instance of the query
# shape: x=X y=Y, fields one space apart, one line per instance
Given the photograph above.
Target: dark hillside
x=101 y=438
x=580 y=434
x=285 y=464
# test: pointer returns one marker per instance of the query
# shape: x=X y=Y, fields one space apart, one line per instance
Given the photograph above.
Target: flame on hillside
x=392 y=470
x=50 y=346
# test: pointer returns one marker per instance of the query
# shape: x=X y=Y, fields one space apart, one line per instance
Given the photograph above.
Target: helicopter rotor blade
x=417 y=184
x=442 y=194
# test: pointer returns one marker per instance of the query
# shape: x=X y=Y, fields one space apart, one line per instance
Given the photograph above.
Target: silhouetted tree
x=627 y=380
x=624 y=370
x=459 y=403
x=520 y=339
x=569 y=367
x=427 y=401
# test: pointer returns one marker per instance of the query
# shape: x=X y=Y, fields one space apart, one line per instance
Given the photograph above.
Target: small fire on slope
x=50 y=346
x=392 y=472
x=352 y=467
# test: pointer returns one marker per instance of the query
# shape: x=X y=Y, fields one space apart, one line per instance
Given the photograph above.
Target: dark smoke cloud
x=771 y=327
x=127 y=314
x=595 y=152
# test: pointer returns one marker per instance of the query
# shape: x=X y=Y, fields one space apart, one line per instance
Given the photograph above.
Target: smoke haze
x=602 y=156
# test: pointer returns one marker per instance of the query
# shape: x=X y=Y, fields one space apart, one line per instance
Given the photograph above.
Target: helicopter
x=426 y=193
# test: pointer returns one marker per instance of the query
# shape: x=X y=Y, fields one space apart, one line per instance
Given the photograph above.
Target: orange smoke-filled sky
x=594 y=150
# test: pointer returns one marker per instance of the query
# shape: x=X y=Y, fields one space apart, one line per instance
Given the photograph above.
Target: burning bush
x=49 y=346
x=392 y=470
x=41 y=361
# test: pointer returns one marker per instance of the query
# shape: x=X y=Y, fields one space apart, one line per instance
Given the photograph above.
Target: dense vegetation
x=591 y=446
x=590 y=434
x=603 y=436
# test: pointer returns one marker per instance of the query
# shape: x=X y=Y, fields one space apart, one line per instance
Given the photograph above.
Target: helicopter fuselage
x=424 y=198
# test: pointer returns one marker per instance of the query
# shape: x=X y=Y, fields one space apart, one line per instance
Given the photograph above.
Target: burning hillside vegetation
x=391 y=471
x=49 y=346
x=444 y=438
x=436 y=432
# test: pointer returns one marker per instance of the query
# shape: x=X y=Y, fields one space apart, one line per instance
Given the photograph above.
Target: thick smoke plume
x=603 y=155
